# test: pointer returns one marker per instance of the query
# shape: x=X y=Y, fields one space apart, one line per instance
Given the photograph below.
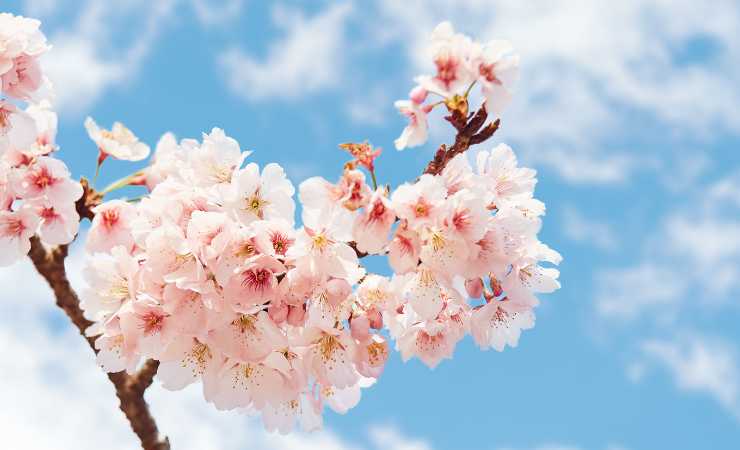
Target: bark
x=129 y=388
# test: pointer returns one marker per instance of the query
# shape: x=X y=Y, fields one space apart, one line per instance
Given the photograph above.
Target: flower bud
x=296 y=315
x=418 y=95
x=474 y=287
x=360 y=327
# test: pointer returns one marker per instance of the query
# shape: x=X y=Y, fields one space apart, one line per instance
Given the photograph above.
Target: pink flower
x=187 y=360
x=249 y=337
x=58 y=224
x=451 y=55
x=17 y=133
x=254 y=197
x=504 y=178
x=16 y=229
x=119 y=142
x=404 y=249
x=371 y=228
x=111 y=226
x=416 y=131
x=254 y=283
x=167 y=161
x=363 y=153
x=50 y=177
x=23 y=78
x=214 y=162
x=330 y=358
x=499 y=323
x=497 y=68
x=420 y=203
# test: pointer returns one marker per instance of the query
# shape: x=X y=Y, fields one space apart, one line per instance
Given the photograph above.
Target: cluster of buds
x=37 y=195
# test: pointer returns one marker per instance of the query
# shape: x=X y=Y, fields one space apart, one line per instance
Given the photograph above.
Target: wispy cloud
x=577 y=94
x=691 y=250
x=699 y=364
x=304 y=61
x=86 y=60
x=216 y=12
x=580 y=228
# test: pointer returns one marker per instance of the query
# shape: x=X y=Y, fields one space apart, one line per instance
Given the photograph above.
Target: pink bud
x=376 y=318
x=360 y=327
x=496 y=286
x=474 y=287
x=278 y=312
x=296 y=315
x=337 y=290
x=418 y=95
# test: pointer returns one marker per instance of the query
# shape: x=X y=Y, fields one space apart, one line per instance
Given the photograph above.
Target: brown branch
x=470 y=131
x=129 y=388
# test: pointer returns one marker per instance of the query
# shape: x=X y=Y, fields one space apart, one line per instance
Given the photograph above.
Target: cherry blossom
x=210 y=274
x=118 y=142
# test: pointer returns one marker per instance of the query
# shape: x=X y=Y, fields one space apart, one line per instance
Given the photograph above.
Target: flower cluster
x=460 y=64
x=37 y=195
x=210 y=275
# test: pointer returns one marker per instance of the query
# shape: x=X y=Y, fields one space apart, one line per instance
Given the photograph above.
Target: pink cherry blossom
x=118 y=142
x=416 y=131
x=371 y=228
x=49 y=177
x=111 y=226
x=16 y=229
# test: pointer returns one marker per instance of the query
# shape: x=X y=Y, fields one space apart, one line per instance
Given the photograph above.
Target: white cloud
x=216 y=12
x=698 y=364
x=307 y=59
x=583 y=229
x=389 y=438
x=633 y=292
x=561 y=447
x=584 y=65
x=85 y=61
x=695 y=249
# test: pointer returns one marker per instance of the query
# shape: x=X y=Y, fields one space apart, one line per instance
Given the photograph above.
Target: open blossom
x=111 y=226
x=451 y=55
x=16 y=229
x=37 y=194
x=49 y=177
x=461 y=63
x=118 y=142
x=167 y=160
x=267 y=196
x=497 y=68
x=416 y=131
x=21 y=43
x=371 y=228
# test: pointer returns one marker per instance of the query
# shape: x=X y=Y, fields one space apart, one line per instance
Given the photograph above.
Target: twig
x=470 y=131
x=129 y=388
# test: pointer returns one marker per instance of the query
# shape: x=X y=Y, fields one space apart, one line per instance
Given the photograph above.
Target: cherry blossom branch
x=470 y=131
x=129 y=388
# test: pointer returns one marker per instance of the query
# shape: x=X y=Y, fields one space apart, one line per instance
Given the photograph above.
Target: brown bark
x=470 y=131
x=129 y=388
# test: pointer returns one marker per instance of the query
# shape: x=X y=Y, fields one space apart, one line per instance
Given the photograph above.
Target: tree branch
x=470 y=131
x=129 y=388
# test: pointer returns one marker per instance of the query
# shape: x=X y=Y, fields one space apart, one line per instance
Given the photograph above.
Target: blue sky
x=630 y=114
